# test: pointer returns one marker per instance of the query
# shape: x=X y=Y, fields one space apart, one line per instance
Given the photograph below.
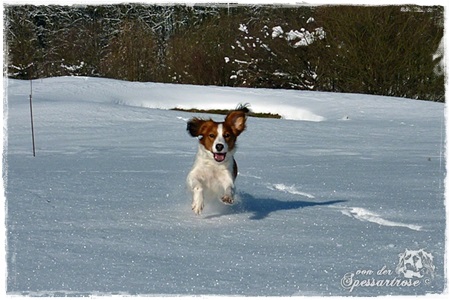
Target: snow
x=293 y=35
x=344 y=183
x=243 y=28
x=310 y=20
x=240 y=45
x=305 y=37
x=277 y=31
x=289 y=189
x=365 y=215
x=440 y=67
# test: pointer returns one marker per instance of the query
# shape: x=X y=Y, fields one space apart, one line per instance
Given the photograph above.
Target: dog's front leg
x=228 y=198
x=197 y=200
x=197 y=195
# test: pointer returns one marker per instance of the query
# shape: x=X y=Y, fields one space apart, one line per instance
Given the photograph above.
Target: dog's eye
x=212 y=135
x=226 y=135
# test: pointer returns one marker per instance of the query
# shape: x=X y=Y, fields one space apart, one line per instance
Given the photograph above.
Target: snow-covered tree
x=275 y=53
x=388 y=50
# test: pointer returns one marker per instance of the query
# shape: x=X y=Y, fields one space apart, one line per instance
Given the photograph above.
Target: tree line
x=382 y=50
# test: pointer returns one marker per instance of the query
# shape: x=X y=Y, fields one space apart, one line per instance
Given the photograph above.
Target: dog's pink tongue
x=219 y=157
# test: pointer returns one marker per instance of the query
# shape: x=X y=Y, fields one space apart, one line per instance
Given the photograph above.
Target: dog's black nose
x=219 y=147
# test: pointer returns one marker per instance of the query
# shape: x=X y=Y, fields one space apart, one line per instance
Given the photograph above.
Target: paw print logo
x=415 y=264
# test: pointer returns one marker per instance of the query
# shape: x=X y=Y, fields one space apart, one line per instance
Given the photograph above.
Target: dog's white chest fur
x=209 y=180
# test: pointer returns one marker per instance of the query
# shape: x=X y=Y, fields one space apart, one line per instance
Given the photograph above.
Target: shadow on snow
x=263 y=207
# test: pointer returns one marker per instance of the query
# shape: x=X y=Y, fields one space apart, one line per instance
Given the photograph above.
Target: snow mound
x=289 y=189
x=368 y=216
x=168 y=96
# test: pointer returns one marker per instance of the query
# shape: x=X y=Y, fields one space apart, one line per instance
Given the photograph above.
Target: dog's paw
x=197 y=208
x=228 y=200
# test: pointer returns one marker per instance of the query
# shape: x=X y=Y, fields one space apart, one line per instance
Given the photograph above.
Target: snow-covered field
x=330 y=196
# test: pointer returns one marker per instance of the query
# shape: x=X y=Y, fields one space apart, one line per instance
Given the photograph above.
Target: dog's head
x=415 y=263
x=219 y=138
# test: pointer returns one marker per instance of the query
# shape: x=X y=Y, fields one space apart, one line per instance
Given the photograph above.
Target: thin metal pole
x=31 y=114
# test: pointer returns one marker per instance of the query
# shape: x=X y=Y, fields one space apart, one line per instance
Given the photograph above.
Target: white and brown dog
x=415 y=264
x=214 y=170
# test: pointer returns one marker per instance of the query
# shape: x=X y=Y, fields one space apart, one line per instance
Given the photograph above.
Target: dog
x=415 y=263
x=215 y=169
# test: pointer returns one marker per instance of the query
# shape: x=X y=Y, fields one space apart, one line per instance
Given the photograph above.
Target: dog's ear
x=427 y=260
x=401 y=264
x=194 y=125
x=237 y=118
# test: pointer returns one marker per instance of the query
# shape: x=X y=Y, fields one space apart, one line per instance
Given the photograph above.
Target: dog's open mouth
x=219 y=157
